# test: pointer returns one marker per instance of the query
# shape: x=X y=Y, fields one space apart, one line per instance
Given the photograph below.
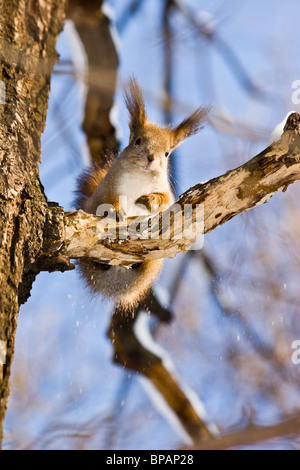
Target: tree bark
x=28 y=34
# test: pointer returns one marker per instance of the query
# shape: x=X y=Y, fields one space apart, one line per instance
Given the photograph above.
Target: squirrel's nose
x=150 y=158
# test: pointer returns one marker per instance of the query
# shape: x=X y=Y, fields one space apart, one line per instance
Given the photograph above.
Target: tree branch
x=222 y=198
x=252 y=435
x=93 y=28
x=131 y=354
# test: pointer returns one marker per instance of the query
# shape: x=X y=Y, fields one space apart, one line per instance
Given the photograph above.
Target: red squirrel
x=138 y=175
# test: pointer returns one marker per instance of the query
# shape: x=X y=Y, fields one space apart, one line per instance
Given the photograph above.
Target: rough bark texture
x=28 y=33
x=222 y=198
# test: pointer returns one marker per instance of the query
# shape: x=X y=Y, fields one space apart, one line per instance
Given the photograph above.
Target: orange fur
x=87 y=184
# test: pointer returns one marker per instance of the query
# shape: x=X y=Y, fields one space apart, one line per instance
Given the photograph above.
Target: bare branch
x=253 y=435
x=131 y=354
x=93 y=28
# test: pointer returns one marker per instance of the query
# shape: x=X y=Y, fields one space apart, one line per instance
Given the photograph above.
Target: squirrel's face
x=150 y=148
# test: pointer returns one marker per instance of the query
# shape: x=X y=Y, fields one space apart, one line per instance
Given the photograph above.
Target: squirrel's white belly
x=133 y=186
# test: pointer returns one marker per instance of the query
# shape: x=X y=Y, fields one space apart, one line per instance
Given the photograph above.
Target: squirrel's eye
x=167 y=153
x=138 y=142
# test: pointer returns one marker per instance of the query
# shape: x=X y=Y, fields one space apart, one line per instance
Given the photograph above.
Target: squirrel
x=140 y=174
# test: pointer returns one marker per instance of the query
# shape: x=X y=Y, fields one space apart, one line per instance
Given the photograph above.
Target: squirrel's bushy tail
x=90 y=179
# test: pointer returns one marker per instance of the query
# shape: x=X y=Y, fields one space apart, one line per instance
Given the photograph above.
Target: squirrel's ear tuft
x=190 y=126
x=135 y=103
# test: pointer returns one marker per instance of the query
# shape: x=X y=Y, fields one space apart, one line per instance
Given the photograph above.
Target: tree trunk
x=28 y=34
